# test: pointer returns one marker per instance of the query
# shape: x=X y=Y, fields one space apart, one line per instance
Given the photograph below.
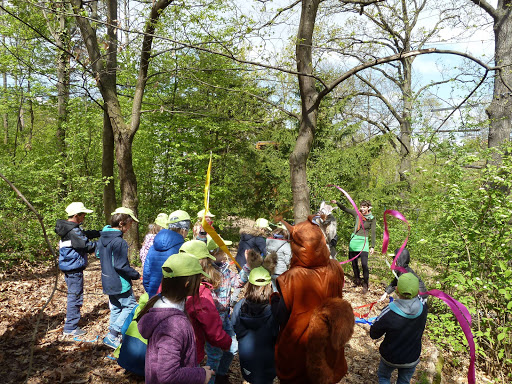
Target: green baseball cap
x=408 y=285
x=211 y=244
x=197 y=249
x=127 y=211
x=75 y=208
x=178 y=215
x=259 y=276
x=162 y=220
x=182 y=264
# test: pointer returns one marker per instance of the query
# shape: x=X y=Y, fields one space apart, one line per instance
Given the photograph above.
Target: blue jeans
x=120 y=308
x=220 y=360
x=75 y=283
x=404 y=374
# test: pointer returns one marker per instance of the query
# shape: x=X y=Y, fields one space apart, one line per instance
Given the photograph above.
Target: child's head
x=160 y=223
x=365 y=206
x=199 y=250
x=215 y=250
x=263 y=225
x=208 y=216
x=259 y=288
x=181 y=277
x=123 y=219
x=408 y=286
x=403 y=259
x=76 y=212
x=179 y=221
x=280 y=232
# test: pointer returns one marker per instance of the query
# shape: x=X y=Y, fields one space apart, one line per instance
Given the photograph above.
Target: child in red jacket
x=201 y=309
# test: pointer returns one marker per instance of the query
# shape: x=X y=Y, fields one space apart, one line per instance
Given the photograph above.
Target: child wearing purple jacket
x=171 y=351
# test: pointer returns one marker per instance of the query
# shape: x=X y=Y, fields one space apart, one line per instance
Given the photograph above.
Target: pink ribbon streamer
x=385 y=238
x=459 y=310
x=360 y=219
x=464 y=318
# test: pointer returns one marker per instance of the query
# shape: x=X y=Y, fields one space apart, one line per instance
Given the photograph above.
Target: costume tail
x=330 y=328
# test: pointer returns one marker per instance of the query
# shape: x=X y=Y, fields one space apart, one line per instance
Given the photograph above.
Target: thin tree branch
x=50 y=248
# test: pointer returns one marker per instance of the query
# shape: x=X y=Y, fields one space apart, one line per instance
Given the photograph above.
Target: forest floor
x=25 y=288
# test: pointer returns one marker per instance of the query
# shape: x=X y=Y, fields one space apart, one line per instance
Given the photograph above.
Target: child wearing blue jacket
x=116 y=272
x=256 y=329
x=402 y=322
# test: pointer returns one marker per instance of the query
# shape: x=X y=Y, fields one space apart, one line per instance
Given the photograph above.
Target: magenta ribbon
x=464 y=318
x=385 y=238
x=360 y=219
x=458 y=309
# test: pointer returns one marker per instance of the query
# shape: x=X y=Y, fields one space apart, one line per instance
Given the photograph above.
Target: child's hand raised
x=209 y=373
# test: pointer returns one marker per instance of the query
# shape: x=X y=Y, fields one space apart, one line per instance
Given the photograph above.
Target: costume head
x=308 y=243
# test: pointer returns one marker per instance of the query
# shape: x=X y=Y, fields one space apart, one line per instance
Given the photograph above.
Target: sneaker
x=111 y=341
x=75 y=332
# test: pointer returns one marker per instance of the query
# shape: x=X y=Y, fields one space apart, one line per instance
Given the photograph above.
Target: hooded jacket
x=206 y=322
x=256 y=331
x=250 y=238
x=171 y=351
x=284 y=254
x=310 y=345
x=403 y=323
x=166 y=243
x=116 y=273
x=74 y=245
x=403 y=261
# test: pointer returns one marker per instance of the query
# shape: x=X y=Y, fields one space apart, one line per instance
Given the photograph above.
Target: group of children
x=285 y=324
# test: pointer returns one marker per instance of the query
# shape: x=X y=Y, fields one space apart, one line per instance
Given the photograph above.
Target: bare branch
x=487 y=8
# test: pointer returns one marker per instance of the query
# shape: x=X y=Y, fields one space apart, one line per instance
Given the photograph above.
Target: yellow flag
x=207 y=227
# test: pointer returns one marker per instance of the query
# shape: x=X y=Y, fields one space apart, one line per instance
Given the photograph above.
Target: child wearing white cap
x=74 y=247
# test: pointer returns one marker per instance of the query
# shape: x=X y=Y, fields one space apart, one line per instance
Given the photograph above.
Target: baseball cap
x=262 y=223
x=77 y=207
x=259 y=276
x=182 y=264
x=127 y=211
x=162 y=219
x=201 y=213
x=179 y=219
x=197 y=249
x=408 y=285
x=211 y=244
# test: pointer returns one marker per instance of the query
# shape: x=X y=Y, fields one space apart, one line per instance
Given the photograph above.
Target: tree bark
x=123 y=132
x=107 y=169
x=500 y=109
x=309 y=111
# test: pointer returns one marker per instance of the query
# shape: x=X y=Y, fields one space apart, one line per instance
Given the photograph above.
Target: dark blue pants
x=75 y=283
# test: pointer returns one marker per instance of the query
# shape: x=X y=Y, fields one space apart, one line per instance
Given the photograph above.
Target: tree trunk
x=107 y=163
x=107 y=169
x=309 y=111
x=500 y=109
x=5 y=116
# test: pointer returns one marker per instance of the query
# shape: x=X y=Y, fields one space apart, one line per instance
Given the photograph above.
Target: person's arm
x=345 y=209
x=372 y=230
x=121 y=264
x=378 y=328
x=79 y=241
x=211 y=324
x=92 y=234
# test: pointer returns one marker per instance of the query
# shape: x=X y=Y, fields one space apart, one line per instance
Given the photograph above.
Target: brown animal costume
x=310 y=345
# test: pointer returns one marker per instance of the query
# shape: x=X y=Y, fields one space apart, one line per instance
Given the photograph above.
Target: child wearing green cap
x=171 y=351
x=116 y=272
x=256 y=329
x=402 y=322
x=201 y=309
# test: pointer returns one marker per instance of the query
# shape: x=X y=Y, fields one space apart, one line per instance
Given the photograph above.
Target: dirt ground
x=57 y=359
